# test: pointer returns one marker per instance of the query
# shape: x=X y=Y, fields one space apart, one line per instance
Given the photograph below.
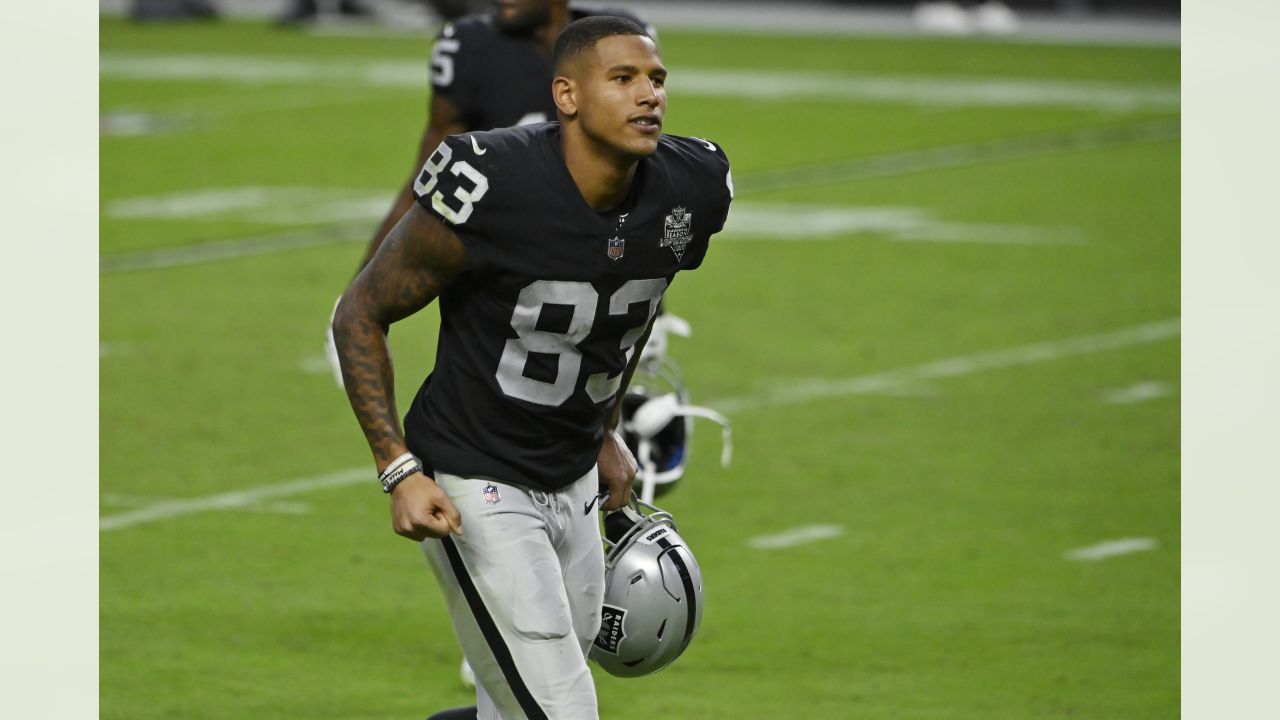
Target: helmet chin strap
x=650 y=418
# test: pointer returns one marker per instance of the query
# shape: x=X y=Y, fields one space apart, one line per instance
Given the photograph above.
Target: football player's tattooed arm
x=616 y=464
x=419 y=259
x=446 y=119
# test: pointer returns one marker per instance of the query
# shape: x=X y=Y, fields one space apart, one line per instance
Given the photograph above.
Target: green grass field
x=943 y=323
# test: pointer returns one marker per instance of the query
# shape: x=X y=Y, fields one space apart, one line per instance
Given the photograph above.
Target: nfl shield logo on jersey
x=491 y=495
x=616 y=247
x=678 y=230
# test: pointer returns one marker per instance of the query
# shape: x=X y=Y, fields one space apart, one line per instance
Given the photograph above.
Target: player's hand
x=618 y=469
x=420 y=509
x=331 y=348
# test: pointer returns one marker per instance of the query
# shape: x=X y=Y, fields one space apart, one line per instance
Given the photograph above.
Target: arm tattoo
x=412 y=267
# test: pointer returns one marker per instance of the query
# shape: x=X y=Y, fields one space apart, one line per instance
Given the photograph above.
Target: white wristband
x=389 y=482
x=394 y=464
x=399 y=469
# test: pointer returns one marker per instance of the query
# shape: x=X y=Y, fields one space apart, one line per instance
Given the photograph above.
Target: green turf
x=947 y=596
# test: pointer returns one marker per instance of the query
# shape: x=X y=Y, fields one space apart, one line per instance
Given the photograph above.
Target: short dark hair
x=585 y=33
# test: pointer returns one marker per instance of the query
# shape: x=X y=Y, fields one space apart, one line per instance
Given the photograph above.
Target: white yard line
x=250 y=499
x=203 y=113
x=948 y=157
x=929 y=91
x=126 y=123
x=877 y=383
x=233 y=249
x=759 y=85
x=795 y=536
x=113 y=349
x=773 y=222
x=266 y=205
x=1137 y=393
x=281 y=508
x=315 y=365
x=197 y=203
x=123 y=500
x=1112 y=548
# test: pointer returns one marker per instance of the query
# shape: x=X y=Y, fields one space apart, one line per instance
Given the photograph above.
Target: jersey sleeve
x=715 y=180
x=463 y=189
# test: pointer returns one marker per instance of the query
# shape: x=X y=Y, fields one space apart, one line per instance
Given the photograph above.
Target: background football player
x=489 y=71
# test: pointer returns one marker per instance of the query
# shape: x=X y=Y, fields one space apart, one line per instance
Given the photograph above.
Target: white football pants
x=524 y=584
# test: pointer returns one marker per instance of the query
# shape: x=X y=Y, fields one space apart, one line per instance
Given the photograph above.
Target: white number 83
x=582 y=298
x=430 y=176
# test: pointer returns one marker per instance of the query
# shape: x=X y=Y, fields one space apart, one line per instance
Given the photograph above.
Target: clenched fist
x=420 y=509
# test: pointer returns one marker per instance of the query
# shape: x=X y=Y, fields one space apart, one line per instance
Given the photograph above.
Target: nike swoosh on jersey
x=476 y=146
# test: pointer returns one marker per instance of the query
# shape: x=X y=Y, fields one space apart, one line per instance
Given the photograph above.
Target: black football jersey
x=536 y=330
x=494 y=79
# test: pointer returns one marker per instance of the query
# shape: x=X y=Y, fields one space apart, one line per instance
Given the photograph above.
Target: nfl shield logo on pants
x=491 y=495
x=616 y=248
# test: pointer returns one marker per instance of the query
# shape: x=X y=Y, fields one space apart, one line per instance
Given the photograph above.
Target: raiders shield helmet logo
x=610 y=629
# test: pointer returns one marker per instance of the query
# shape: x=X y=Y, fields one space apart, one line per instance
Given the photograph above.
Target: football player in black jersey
x=487 y=71
x=549 y=247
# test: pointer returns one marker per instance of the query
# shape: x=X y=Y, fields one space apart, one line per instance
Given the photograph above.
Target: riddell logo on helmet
x=610 y=629
x=655 y=535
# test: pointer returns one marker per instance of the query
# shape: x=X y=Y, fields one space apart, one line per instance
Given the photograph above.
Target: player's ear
x=565 y=94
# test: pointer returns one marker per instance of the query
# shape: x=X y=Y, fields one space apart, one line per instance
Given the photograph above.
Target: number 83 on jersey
x=430 y=176
x=580 y=296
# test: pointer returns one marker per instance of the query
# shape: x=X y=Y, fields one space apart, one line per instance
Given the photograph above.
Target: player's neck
x=602 y=179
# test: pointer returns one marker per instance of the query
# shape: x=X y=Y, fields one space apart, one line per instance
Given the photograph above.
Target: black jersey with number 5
x=536 y=331
x=495 y=79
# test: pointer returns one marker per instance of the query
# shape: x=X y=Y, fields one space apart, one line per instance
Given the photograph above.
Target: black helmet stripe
x=687 y=578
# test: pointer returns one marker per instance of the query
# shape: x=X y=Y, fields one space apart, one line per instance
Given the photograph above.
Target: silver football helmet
x=652 y=596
